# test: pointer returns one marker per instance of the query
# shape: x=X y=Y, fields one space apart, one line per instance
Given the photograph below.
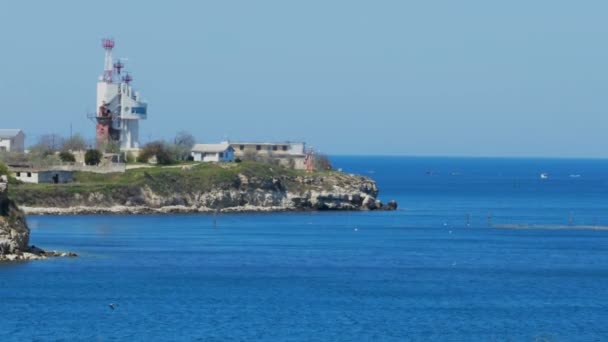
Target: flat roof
x=25 y=169
x=210 y=148
x=266 y=143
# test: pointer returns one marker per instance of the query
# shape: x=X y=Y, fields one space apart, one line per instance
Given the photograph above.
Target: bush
x=3 y=169
x=75 y=143
x=112 y=147
x=322 y=163
x=156 y=149
x=92 y=157
x=67 y=157
x=129 y=158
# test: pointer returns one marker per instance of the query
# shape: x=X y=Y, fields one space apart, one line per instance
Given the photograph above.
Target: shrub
x=156 y=149
x=92 y=157
x=3 y=169
x=112 y=147
x=322 y=163
x=130 y=158
x=67 y=157
x=75 y=143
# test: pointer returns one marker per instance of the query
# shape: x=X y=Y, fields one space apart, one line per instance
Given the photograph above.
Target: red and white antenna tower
x=108 y=45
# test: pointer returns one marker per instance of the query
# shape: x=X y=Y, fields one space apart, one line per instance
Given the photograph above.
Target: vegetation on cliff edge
x=164 y=181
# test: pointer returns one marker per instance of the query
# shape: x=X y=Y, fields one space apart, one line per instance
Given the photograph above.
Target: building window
x=284 y=147
x=275 y=148
x=242 y=147
x=221 y=154
x=29 y=174
x=258 y=147
x=18 y=174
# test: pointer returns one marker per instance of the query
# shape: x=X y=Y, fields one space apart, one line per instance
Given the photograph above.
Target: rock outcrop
x=15 y=234
x=240 y=191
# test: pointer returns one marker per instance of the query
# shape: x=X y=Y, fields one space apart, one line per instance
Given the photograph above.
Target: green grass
x=193 y=179
x=202 y=176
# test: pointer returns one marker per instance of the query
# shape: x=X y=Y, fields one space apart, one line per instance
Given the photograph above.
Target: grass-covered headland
x=201 y=187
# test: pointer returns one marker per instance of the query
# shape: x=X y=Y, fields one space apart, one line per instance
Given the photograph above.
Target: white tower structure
x=119 y=107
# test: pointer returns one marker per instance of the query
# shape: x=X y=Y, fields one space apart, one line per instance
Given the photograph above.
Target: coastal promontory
x=205 y=187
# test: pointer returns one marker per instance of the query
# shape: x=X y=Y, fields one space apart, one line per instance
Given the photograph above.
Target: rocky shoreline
x=15 y=234
x=174 y=209
x=241 y=191
x=34 y=253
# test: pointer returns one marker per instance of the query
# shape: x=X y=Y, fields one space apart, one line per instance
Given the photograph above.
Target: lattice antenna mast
x=108 y=70
x=127 y=78
x=118 y=66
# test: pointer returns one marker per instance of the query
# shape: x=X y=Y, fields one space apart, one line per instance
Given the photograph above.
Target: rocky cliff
x=14 y=233
x=205 y=188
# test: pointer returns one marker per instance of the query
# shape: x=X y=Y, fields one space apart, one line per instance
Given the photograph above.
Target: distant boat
x=575 y=176
x=544 y=175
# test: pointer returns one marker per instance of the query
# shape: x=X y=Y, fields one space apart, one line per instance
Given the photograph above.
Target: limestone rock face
x=244 y=192
x=14 y=233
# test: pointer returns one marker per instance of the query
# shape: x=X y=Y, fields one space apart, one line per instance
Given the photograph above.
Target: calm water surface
x=433 y=270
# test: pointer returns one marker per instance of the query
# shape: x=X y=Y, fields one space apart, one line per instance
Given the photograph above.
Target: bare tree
x=184 y=139
x=182 y=145
x=75 y=143
x=48 y=144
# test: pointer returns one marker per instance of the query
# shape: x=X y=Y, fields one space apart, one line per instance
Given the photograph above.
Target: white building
x=222 y=152
x=289 y=154
x=119 y=104
x=276 y=149
x=12 y=140
x=43 y=176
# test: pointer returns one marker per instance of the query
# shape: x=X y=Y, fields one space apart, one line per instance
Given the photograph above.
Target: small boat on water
x=544 y=175
x=575 y=175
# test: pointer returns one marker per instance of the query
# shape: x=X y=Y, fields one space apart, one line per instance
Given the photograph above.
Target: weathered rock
x=391 y=205
x=14 y=233
x=244 y=192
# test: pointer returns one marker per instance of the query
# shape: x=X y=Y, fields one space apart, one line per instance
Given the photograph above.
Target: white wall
x=15 y=144
x=5 y=144
x=43 y=176
x=24 y=176
x=296 y=148
x=227 y=156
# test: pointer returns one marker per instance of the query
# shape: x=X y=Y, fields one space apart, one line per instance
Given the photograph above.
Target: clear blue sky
x=477 y=78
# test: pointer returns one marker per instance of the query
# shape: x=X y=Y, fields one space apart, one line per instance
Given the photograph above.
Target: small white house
x=213 y=153
x=43 y=176
x=12 y=140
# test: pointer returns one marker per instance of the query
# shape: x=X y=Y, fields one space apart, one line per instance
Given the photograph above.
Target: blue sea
x=437 y=269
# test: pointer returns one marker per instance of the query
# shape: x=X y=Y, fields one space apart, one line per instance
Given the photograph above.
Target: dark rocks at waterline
x=34 y=253
x=391 y=205
x=15 y=234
